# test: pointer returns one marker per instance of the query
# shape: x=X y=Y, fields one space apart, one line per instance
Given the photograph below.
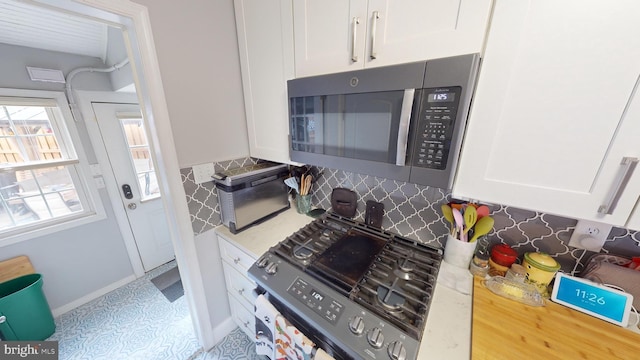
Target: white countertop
x=447 y=334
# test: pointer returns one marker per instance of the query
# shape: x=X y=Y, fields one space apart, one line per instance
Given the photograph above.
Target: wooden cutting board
x=506 y=329
x=15 y=267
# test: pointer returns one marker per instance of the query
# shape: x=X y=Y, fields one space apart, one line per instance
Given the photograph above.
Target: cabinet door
x=265 y=41
x=551 y=119
x=329 y=35
x=406 y=31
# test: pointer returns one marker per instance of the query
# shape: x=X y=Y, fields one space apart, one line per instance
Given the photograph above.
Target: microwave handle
x=403 y=131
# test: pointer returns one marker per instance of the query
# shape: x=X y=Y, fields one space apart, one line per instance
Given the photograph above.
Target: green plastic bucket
x=24 y=312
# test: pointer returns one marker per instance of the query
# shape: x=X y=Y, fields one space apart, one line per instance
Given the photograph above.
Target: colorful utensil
x=448 y=214
x=470 y=218
x=483 y=226
x=457 y=215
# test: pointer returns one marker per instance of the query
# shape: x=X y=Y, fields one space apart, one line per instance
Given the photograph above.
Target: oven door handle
x=403 y=129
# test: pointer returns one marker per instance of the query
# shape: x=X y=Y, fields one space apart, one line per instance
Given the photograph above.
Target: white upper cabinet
x=337 y=35
x=265 y=41
x=556 y=110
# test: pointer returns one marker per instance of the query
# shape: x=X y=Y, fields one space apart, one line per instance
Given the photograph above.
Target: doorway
x=124 y=135
x=133 y=20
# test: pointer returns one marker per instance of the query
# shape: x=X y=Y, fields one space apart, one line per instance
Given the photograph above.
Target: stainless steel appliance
x=357 y=291
x=402 y=122
x=250 y=194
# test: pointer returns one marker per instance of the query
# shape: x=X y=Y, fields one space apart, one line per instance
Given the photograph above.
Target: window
x=40 y=182
x=140 y=153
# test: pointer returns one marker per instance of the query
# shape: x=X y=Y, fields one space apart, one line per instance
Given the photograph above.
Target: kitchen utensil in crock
x=482 y=211
x=482 y=227
x=292 y=183
x=540 y=268
x=448 y=214
x=457 y=215
x=470 y=218
x=344 y=202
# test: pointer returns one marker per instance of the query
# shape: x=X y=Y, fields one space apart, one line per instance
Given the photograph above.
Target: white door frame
x=135 y=23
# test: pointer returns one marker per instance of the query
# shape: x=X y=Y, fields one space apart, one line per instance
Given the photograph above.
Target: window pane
x=27 y=134
x=27 y=196
x=141 y=156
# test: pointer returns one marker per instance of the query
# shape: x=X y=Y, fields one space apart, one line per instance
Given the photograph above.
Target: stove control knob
x=262 y=262
x=356 y=325
x=375 y=338
x=271 y=268
x=397 y=351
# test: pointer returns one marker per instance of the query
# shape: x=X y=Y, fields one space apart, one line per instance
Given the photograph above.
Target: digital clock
x=590 y=298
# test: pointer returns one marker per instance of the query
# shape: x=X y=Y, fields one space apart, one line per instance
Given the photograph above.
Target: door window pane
x=141 y=156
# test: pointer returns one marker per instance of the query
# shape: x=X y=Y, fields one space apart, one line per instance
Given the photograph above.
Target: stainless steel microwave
x=402 y=122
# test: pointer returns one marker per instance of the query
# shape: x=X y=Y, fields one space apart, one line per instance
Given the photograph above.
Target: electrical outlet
x=589 y=235
x=202 y=173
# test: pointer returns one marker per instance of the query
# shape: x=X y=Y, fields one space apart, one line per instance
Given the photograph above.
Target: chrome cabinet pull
x=354 y=55
x=403 y=130
x=629 y=165
x=240 y=291
x=374 y=22
x=236 y=260
x=246 y=324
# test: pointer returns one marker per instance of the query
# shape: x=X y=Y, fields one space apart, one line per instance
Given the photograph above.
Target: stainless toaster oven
x=251 y=194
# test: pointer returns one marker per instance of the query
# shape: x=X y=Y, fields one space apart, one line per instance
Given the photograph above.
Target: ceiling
x=38 y=27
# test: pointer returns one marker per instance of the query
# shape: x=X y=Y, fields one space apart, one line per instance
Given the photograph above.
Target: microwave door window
x=371 y=126
x=357 y=126
x=306 y=124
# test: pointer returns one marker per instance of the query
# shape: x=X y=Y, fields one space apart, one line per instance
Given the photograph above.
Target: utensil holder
x=303 y=203
x=459 y=253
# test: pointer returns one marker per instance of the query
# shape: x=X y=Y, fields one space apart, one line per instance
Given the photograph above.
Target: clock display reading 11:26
x=596 y=300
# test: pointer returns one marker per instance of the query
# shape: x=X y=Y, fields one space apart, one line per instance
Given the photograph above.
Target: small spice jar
x=502 y=257
x=480 y=264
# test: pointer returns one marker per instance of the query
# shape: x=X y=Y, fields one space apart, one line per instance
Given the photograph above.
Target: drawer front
x=237 y=258
x=239 y=285
x=244 y=317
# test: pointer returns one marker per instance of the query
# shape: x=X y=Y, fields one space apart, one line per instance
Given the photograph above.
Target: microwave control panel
x=435 y=128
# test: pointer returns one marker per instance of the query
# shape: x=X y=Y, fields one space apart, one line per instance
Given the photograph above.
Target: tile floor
x=137 y=322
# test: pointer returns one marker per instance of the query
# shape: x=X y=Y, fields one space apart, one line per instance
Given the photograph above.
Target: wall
x=414 y=211
x=198 y=56
x=83 y=260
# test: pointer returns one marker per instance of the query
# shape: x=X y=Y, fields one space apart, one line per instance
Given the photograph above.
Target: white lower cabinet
x=235 y=264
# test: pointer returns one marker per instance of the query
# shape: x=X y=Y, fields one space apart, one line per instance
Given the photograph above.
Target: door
x=123 y=132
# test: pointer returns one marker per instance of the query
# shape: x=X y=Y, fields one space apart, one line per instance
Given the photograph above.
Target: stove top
x=384 y=277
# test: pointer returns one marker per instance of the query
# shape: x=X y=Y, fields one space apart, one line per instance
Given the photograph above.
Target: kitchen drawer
x=237 y=258
x=239 y=285
x=244 y=317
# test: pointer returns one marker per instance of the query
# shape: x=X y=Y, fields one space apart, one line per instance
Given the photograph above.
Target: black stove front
x=360 y=289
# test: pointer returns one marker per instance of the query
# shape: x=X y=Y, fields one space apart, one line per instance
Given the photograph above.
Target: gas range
x=355 y=290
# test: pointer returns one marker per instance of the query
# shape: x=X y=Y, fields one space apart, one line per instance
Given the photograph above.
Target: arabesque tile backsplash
x=414 y=211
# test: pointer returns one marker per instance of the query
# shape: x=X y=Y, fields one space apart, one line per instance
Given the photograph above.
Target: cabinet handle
x=246 y=324
x=240 y=291
x=374 y=22
x=628 y=165
x=354 y=27
x=236 y=260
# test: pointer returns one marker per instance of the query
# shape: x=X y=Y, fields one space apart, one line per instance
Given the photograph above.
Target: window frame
x=72 y=145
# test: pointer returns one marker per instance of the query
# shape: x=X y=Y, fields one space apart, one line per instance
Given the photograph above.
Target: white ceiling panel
x=33 y=26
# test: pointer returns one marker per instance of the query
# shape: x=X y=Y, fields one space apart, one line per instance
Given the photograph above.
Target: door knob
x=132 y=206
